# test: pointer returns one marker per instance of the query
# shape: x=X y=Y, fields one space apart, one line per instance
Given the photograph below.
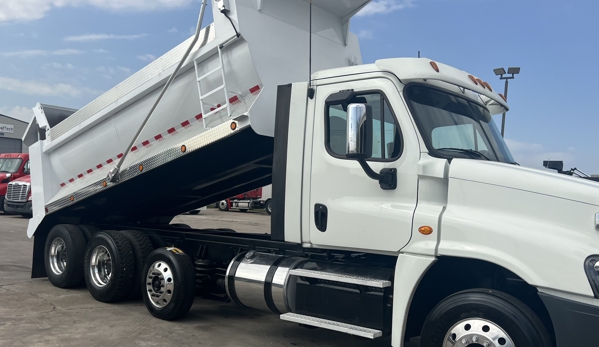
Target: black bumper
x=2 y=203
x=575 y=323
x=23 y=208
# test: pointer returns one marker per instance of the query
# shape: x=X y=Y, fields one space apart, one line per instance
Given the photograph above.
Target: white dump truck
x=399 y=209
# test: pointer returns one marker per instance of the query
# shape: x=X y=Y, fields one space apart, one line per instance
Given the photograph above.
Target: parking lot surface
x=34 y=313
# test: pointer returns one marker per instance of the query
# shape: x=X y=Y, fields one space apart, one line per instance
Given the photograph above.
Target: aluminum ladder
x=214 y=108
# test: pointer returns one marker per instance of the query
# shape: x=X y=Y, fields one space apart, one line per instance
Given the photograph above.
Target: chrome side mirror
x=359 y=131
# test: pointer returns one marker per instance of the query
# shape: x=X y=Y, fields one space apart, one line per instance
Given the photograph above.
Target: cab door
x=347 y=208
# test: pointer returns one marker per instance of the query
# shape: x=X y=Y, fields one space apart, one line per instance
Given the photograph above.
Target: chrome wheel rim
x=58 y=256
x=223 y=204
x=100 y=266
x=160 y=284
x=477 y=332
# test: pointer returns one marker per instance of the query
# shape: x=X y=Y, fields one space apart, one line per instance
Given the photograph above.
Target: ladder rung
x=332 y=325
x=209 y=73
x=214 y=111
x=344 y=278
x=212 y=92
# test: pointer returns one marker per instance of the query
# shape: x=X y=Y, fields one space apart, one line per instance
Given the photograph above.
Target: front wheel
x=482 y=317
x=223 y=205
x=169 y=289
x=268 y=207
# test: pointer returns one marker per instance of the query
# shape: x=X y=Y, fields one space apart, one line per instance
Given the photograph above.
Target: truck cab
x=18 y=197
x=12 y=167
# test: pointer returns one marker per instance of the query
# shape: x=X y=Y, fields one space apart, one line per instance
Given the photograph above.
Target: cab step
x=342 y=277
x=332 y=325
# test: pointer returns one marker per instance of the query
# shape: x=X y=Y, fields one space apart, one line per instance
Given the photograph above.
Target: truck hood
x=26 y=179
x=526 y=179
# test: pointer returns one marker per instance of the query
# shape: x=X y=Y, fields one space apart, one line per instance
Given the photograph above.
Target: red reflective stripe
x=198 y=117
x=171 y=130
x=80 y=175
x=254 y=89
x=63 y=184
x=90 y=171
x=145 y=143
x=158 y=137
x=212 y=109
x=120 y=156
x=234 y=99
x=72 y=180
x=184 y=124
x=134 y=149
x=99 y=166
x=109 y=161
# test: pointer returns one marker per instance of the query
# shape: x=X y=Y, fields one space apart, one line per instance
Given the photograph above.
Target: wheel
x=63 y=256
x=170 y=287
x=142 y=247
x=109 y=266
x=482 y=317
x=223 y=205
x=194 y=212
x=88 y=231
x=268 y=207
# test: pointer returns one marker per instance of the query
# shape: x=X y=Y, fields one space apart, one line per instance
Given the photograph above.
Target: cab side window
x=27 y=168
x=386 y=136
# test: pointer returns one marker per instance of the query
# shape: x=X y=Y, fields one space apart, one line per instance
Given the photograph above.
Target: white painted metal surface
x=537 y=224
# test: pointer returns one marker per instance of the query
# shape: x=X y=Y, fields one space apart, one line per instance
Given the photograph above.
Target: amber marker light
x=488 y=86
x=435 y=66
x=425 y=230
x=473 y=79
x=72 y=198
x=482 y=84
x=104 y=184
x=233 y=126
x=503 y=97
x=141 y=168
x=183 y=148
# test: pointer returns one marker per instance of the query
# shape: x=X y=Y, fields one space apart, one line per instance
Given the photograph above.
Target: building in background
x=11 y=134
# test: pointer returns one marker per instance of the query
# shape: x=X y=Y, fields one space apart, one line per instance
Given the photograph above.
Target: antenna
x=418 y=54
x=310 y=50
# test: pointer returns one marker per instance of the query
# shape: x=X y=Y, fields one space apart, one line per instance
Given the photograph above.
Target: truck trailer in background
x=260 y=198
x=399 y=209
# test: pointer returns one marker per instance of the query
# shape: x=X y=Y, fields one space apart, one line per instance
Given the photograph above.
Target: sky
x=68 y=52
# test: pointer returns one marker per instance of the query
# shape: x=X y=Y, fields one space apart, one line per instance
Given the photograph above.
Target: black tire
x=142 y=247
x=122 y=270
x=268 y=207
x=518 y=321
x=67 y=269
x=88 y=231
x=194 y=212
x=223 y=205
x=179 y=267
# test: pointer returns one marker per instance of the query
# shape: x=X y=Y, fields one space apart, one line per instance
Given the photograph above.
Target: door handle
x=320 y=217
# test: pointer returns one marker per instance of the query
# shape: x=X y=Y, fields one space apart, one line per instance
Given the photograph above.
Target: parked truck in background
x=260 y=198
x=12 y=167
x=400 y=210
x=18 y=197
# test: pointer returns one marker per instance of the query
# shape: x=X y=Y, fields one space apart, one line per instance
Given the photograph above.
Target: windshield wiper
x=471 y=151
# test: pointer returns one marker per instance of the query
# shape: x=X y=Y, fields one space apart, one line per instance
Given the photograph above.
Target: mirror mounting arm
x=387 y=177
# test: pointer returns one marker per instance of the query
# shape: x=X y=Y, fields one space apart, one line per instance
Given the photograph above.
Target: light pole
x=501 y=72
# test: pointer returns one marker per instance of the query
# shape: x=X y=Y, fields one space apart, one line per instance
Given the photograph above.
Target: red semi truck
x=12 y=167
x=254 y=199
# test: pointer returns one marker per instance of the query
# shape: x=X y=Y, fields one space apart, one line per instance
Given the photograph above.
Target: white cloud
x=146 y=57
x=533 y=154
x=39 y=88
x=38 y=52
x=173 y=30
x=19 y=112
x=124 y=69
x=59 y=66
x=98 y=37
x=385 y=6
x=32 y=35
x=29 y=10
x=102 y=51
x=365 y=34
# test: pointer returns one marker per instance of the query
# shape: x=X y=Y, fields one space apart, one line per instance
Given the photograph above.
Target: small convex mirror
x=359 y=131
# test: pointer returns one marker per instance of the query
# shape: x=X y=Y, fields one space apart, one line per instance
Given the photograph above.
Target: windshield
x=455 y=127
x=10 y=165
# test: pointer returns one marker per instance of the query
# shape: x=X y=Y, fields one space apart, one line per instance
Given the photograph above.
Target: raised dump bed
x=210 y=137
